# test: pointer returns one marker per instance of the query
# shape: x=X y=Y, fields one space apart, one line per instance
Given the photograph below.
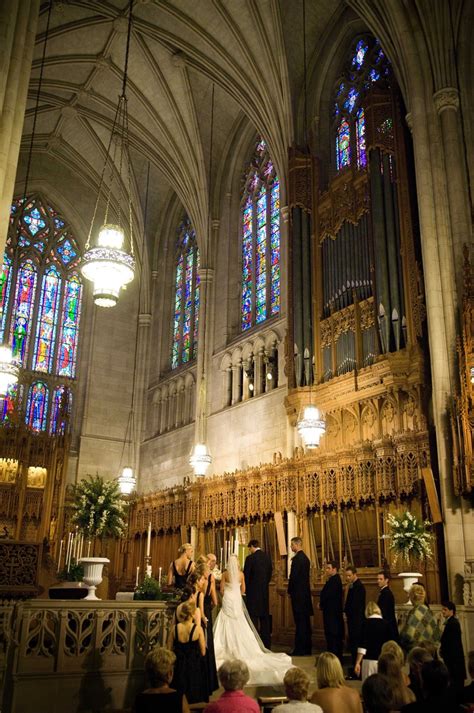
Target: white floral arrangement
x=409 y=537
x=99 y=510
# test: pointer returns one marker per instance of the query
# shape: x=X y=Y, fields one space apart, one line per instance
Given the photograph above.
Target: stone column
x=18 y=21
x=236 y=381
x=206 y=276
x=140 y=400
x=193 y=536
x=446 y=101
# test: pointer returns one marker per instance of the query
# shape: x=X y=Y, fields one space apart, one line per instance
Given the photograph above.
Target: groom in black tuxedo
x=299 y=589
x=258 y=573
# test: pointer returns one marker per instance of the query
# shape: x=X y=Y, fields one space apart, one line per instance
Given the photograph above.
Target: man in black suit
x=354 y=610
x=258 y=573
x=299 y=590
x=386 y=602
x=452 y=651
x=330 y=602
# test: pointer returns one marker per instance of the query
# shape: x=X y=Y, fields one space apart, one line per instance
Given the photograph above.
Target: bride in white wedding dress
x=236 y=637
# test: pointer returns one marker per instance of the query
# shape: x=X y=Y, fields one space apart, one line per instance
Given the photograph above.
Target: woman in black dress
x=160 y=696
x=180 y=569
x=208 y=597
x=187 y=641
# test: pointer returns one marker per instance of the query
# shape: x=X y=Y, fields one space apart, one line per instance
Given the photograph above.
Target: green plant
x=98 y=508
x=409 y=537
x=75 y=574
x=150 y=590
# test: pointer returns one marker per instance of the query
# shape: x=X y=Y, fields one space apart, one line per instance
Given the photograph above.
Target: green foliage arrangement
x=150 y=590
x=75 y=574
x=409 y=537
x=99 y=510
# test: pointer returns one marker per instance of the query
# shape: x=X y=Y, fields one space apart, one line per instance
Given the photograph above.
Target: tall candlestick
x=136 y=580
x=148 y=540
x=159 y=577
x=68 y=548
x=89 y=548
x=60 y=552
x=222 y=560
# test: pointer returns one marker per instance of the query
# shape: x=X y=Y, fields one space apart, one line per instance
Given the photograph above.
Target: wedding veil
x=233 y=570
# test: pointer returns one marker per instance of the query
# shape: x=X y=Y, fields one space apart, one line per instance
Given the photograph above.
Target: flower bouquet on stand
x=410 y=540
x=98 y=512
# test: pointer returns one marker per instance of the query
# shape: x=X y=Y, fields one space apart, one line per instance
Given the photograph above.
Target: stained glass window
x=40 y=307
x=360 y=140
x=260 y=241
x=343 y=155
x=61 y=404
x=186 y=298
x=37 y=406
x=367 y=66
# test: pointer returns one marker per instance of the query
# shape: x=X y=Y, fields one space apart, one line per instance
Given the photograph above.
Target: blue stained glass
x=69 y=330
x=22 y=311
x=37 y=406
x=352 y=97
x=360 y=140
x=34 y=221
x=186 y=299
x=66 y=251
x=47 y=321
x=5 y=285
x=58 y=223
x=8 y=403
x=61 y=406
x=361 y=49
x=374 y=75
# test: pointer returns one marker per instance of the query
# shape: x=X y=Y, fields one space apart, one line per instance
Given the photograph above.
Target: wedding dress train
x=236 y=637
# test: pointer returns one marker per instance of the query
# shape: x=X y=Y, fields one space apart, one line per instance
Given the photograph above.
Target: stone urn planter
x=409 y=579
x=93 y=567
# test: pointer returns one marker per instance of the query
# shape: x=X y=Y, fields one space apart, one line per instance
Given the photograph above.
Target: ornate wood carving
x=346 y=200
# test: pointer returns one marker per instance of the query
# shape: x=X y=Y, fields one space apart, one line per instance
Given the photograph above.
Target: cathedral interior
x=300 y=193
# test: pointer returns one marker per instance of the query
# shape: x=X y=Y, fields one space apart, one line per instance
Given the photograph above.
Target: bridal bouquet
x=99 y=510
x=409 y=537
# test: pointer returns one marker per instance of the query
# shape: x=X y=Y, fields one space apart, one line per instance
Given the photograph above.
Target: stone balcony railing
x=77 y=656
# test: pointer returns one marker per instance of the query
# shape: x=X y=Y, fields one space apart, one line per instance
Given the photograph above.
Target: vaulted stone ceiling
x=251 y=50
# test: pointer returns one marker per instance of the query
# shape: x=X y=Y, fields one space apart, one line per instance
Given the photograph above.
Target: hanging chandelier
x=200 y=459
x=9 y=372
x=311 y=426
x=127 y=481
x=107 y=264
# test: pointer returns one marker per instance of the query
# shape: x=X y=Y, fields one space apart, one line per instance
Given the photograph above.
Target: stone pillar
x=144 y=322
x=236 y=381
x=292 y=530
x=206 y=276
x=447 y=105
x=193 y=536
x=18 y=22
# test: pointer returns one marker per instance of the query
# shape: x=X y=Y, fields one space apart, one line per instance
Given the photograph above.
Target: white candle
x=159 y=575
x=148 y=570
x=68 y=549
x=60 y=553
x=148 y=540
x=236 y=545
x=89 y=548
x=136 y=580
x=221 y=557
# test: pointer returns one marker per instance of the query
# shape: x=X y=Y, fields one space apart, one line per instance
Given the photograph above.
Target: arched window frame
x=186 y=296
x=367 y=66
x=260 y=241
x=43 y=328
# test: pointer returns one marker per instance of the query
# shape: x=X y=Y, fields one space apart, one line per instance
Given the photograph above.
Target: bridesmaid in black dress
x=187 y=642
x=210 y=601
x=180 y=569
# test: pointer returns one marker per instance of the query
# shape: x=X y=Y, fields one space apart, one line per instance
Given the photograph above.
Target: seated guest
x=416 y=658
x=233 y=675
x=451 y=649
x=296 y=684
x=333 y=695
x=376 y=694
x=375 y=633
x=391 y=647
x=437 y=696
x=420 y=625
x=466 y=696
x=389 y=666
x=160 y=696
x=187 y=641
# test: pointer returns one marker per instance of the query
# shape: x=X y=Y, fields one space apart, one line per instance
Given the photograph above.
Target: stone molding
x=446 y=98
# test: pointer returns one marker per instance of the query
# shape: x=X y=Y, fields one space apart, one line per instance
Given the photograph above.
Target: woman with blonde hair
x=159 y=665
x=333 y=695
x=187 y=641
x=389 y=666
x=375 y=633
x=420 y=624
x=391 y=647
x=296 y=684
x=180 y=569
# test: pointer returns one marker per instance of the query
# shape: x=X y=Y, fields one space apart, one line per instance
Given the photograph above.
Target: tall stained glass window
x=260 y=226
x=367 y=67
x=40 y=310
x=186 y=296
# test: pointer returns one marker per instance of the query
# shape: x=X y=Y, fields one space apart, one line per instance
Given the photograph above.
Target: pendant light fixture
x=200 y=458
x=107 y=264
x=311 y=425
